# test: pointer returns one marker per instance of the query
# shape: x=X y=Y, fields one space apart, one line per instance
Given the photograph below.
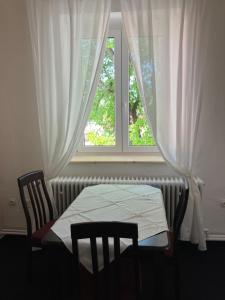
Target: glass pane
x=139 y=132
x=100 y=129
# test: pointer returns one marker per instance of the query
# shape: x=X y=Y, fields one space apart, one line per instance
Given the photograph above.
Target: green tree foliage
x=103 y=110
x=101 y=125
x=139 y=131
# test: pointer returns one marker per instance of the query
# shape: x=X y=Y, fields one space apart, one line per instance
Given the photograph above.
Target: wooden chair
x=105 y=230
x=38 y=211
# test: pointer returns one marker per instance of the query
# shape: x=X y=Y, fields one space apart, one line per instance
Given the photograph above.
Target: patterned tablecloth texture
x=141 y=204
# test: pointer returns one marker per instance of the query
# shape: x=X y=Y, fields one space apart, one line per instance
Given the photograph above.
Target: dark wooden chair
x=38 y=211
x=105 y=230
x=171 y=252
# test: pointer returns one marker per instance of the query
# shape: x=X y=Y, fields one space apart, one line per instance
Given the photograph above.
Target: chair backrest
x=180 y=210
x=105 y=230
x=33 y=189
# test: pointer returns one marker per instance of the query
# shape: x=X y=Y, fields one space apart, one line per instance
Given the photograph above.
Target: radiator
x=66 y=189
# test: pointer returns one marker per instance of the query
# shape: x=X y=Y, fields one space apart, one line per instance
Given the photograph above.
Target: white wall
x=20 y=142
x=115 y=5
x=19 y=148
x=211 y=144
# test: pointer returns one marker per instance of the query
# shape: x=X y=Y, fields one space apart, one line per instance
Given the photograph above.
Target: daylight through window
x=117 y=122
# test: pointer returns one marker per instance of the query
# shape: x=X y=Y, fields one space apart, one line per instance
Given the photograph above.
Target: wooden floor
x=202 y=273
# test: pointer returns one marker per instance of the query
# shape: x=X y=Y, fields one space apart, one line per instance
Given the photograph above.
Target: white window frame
x=121 y=59
x=125 y=102
x=116 y=34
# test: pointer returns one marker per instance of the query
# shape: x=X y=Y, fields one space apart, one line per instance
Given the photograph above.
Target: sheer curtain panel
x=168 y=44
x=68 y=40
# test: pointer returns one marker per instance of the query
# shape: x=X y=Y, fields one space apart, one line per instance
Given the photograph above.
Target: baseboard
x=13 y=231
x=215 y=237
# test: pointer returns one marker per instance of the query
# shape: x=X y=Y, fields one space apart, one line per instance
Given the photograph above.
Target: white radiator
x=66 y=189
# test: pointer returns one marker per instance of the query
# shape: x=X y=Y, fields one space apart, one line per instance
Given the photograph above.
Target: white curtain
x=68 y=40
x=168 y=44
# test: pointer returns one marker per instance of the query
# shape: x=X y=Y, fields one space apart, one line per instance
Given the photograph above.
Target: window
x=117 y=122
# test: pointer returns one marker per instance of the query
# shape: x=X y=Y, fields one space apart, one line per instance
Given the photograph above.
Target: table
x=154 y=243
x=113 y=202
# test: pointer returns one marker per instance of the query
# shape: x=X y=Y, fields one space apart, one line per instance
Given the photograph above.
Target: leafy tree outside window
x=101 y=127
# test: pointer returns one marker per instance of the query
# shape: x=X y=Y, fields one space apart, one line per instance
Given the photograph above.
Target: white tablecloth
x=141 y=204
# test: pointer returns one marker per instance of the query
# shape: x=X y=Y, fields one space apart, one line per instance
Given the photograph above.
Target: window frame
x=125 y=102
x=121 y=61
x=116 y=34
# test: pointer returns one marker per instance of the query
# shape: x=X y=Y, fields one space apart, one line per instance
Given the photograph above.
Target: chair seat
x=169 y=251
x=38 y=235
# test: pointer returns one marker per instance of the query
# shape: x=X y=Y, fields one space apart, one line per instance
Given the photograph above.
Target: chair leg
x=176 y=279
x=56 y=266
x=29 y=265
x=159 y=268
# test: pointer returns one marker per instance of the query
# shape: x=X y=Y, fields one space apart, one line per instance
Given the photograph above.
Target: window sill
x=150 y=158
